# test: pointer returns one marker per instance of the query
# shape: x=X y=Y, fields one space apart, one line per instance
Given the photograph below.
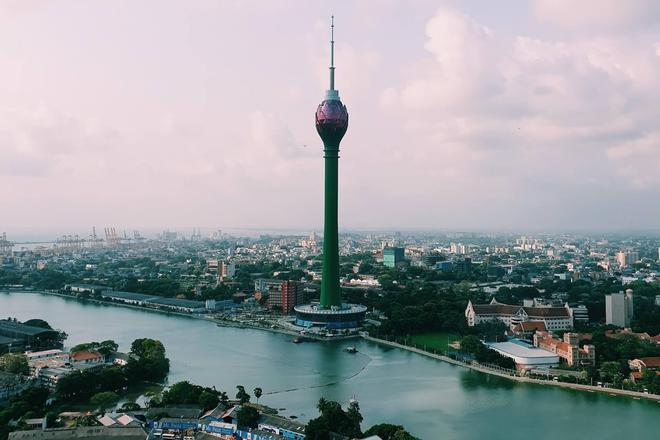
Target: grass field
x=433 y=340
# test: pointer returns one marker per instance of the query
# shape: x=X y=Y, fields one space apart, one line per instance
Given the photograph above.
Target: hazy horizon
x=464 y=115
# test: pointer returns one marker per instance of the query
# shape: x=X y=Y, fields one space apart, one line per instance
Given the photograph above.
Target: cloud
x=539 y=102
x=598 y=15
x=458 y=119
x=34 y=142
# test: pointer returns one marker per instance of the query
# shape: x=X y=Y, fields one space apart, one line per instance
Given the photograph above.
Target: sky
x=468 y=115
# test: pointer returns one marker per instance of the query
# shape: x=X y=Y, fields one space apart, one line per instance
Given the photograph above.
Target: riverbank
x=485 y=370
x=218 y=322
x=472 y=366
x=436 y=399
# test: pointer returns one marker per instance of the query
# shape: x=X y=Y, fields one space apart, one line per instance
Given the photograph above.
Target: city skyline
x=472 y=116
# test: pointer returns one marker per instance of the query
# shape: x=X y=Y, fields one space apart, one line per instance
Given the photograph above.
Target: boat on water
x=350 y=349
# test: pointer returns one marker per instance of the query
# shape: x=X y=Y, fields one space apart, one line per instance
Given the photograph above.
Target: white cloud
x=532 y=117
x=598 y=15
x=456 y=121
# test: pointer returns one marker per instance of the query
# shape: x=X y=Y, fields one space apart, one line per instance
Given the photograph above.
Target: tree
x=247 y=417
x=224 y=399
x=38 y=323
x=322 y=404
x=471 y=344
x=104 y=400
x=387 y=431
x=147 y=361
x=257 y=393
x=334 y=419
x=242 y=395
x=130 y=406
x=610 y=371
x=208 y=400
x=106 y=348
x=15 y=364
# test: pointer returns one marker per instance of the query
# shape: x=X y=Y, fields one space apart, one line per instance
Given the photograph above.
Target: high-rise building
x=226 y=270
x=393 y=256
x=627 y=258
x=292 y=295
x=619 y=308
x=331 y=125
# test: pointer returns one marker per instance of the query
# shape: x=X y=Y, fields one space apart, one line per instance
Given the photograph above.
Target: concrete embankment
x=575 y=386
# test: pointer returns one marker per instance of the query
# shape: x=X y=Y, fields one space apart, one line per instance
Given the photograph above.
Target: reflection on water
x=433 y=399
x=474 y=380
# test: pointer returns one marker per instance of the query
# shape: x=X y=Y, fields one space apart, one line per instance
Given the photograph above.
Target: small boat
x=297 y=340
x=350 y=349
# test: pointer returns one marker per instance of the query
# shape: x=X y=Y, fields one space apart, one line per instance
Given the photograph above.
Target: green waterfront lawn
x=433 y=340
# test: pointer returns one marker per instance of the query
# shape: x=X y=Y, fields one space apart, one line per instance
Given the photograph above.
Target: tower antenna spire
x=332 y=52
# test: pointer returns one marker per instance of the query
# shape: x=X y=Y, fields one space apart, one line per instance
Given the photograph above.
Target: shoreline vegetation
x=475 y=366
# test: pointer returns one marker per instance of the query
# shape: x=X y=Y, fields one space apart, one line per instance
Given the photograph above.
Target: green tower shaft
x=330 y=292
x=331 y=124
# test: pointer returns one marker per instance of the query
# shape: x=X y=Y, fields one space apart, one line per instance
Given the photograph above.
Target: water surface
x=432 y=399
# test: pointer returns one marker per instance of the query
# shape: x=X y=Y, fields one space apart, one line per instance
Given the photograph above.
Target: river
x=432 y=399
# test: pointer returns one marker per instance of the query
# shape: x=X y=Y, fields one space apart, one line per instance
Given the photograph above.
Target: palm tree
x=242 y=395
x=257 y=393
x=224 y=399
x=322 y=405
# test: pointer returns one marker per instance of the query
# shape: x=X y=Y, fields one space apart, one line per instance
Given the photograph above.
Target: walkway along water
x=484 y=369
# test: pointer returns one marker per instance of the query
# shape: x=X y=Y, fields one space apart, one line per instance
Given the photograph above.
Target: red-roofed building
x=567 y=349
x=641 y=364
x=87 y=357
x=554 y=318
x=526 y=330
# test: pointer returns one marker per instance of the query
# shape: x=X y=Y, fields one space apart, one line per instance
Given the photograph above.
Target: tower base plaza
x=344 y=317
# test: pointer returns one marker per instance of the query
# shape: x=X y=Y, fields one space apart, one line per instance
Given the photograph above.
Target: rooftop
x=7 y=326
x=520 y=349
x=83 y=433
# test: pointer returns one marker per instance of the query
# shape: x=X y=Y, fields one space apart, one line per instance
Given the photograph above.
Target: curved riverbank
x=486 y=370
x=431 y=397
x=471 y=366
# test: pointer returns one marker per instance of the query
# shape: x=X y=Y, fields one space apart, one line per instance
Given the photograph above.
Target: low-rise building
x=86 y=357
x=28 y=336
x=526 y=356
x=83 y=433
x=580 y=313
x=554 y=318
x=567 y=349
x=639 y=366
x=526 y=330
x=86 y=288
x=11 y=385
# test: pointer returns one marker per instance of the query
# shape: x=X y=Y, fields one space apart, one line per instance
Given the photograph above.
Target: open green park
x=433 y=341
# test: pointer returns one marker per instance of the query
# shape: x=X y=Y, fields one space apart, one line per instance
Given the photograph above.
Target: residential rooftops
x=83 y=433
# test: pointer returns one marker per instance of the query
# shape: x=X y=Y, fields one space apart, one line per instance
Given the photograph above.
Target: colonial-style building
x=638 y=366
x=526 y=330
x=554 y=318
x=568 y=349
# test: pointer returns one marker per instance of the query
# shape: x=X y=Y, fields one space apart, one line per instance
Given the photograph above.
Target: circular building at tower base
x=344 y=317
